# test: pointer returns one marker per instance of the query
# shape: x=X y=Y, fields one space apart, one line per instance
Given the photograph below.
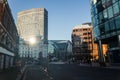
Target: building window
x=79 y=30
x=102 y=29
x=77 y=43
x=84 y=29
x=116 y=8
x=76 y=30
x=106 y=27
x=112 y=25
x=94 y=10
x=73 y=30
x=117 y=21
x=85 y=37
x=109 y=2
x=119 y=4
x=103 y=1
x=80 y=34
x=99 y=7
x=96 y=31
x=96 y=20
x=89 y=33
x=105 y=15
x=100 y=17
x=114 y=1
x=84 y=33
x=89 y=37
x=110 y=12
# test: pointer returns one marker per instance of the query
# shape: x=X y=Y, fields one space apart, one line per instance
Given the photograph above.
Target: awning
x=5 y=51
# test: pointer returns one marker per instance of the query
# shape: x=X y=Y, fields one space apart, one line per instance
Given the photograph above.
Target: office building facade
x=82 y=41
x=61 y=50
x=33 y=23
x=83 y=45
x=8 y=37
x=106 y=25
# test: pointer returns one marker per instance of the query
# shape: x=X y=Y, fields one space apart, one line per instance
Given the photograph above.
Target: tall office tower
x=106 y=25
x=33 y=23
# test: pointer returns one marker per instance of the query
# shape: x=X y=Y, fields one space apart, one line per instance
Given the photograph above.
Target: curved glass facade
x=105 y=17
x=106 y=25
x=60 y=49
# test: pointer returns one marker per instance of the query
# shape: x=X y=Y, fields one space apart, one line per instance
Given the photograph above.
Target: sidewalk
x=98 y=65
x=9 y=74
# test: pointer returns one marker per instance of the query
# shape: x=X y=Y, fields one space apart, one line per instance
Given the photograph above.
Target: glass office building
x=106 y=25
x=60 y=50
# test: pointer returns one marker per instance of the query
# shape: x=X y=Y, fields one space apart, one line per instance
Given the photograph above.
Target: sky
x=63 y=15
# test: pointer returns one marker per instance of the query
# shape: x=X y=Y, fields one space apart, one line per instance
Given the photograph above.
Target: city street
x=35 y=73
x=71 y=72
x=52 y=40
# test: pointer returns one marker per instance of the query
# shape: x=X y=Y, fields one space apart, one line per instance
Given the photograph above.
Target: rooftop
x=84 y=25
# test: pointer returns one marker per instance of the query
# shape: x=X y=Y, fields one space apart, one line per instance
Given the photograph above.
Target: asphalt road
x=71 y=72
x=36 y=73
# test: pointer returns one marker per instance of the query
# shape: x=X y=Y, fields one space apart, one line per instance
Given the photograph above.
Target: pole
x=101 y=59
x=28 y=52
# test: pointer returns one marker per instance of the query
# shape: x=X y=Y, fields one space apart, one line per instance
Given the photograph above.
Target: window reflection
x=110 y=12
x=117 y=21
x=116 y=8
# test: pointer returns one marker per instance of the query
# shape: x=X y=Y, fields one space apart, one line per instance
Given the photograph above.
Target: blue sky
x=63 y=15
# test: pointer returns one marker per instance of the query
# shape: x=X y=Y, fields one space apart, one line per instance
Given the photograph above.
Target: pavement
x=82 y=72
x=91 y=65
x=98 y=65
x=12 y=73
x=9 y=74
